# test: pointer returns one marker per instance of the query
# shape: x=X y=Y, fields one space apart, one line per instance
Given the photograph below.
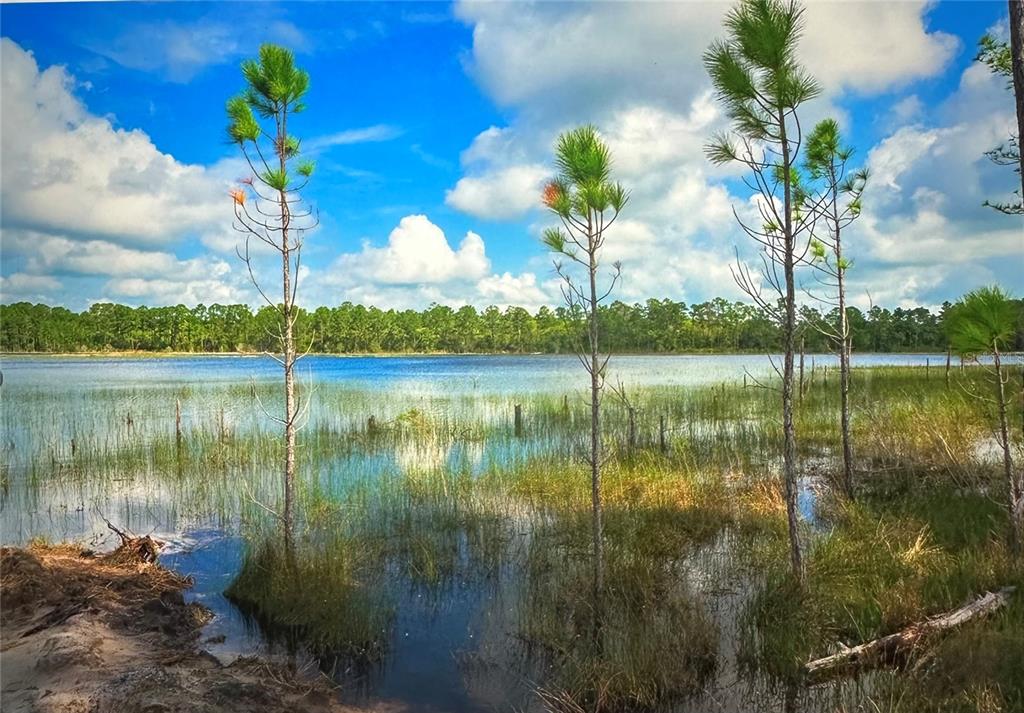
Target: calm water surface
x=414 y=374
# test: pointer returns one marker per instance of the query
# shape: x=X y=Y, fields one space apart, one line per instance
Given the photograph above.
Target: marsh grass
x=885 y=564
x=436 y=492
x=647 y=642
x=318 y=597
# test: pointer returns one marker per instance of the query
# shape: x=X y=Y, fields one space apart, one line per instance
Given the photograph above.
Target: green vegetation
x=313 y=596
x=586 y=202
x=826 y=160
x=761 y=83
x=887 y=563
x=983 y=323
x=655 y=326
x=274 y=91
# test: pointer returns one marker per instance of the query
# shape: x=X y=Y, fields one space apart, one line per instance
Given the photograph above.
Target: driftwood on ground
x=893 y=648
x=142 y=549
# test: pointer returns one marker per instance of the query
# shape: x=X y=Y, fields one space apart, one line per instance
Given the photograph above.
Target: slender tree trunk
x=595 y=434
x=844 y=391
x=1014 y=485
x=844 y=353
x=801 y=383
x=289 y=353
x=789 y=337
x=1017 y=61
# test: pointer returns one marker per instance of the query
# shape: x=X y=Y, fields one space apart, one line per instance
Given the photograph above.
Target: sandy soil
x=87 y=633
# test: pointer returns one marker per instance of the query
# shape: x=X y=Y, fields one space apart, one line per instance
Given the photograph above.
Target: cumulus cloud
x=676 y=235
x=505 y=193
x=418 y=266
x=94 y=212
x=540 y=56
x=54 y=254
x=872 y=47
x=152 y=276
x=213 y=289
x=67 y=171
x=507 y=289
x=88 y=206
x=924 y=234
x=20 y=286
x=903 y=286
x=417 y=252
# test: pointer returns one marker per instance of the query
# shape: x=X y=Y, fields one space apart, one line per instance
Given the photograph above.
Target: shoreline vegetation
x=654 y=326
x=141 y=354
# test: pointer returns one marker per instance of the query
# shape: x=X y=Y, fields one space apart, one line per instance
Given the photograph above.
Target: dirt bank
x=87 y=633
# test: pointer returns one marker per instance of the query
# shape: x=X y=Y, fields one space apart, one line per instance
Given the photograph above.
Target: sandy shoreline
x=88 y=633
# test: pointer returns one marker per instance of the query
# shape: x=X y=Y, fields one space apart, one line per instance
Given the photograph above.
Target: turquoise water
x=497 y=374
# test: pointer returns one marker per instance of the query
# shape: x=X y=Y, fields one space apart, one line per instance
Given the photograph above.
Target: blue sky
x=432 y=125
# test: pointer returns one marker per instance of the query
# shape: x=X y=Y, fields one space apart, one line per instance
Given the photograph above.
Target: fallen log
x=894 y=648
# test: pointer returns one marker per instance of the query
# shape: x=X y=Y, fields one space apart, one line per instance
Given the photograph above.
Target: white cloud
x=86 y=205
x=496 y=144
x=907 y=109
x=417 y=253
x=872 y=46
x=541 y=56
x=419 y=266
x=153 y=276
x=67 y=171
x=180 y=50
x=900 y=286
x=172 y=291
x=516 y=290
x=676 y=234
x=897 y=153
x=648 y=93
x=20 y=283
x=502 y=194
x=925 y=235
x=368 y=134
x=50 y=253
x=643 y=138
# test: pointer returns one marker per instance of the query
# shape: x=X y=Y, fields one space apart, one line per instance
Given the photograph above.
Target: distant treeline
x=660 y=326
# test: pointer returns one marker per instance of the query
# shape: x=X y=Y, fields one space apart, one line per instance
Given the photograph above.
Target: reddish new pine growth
x=552 y=192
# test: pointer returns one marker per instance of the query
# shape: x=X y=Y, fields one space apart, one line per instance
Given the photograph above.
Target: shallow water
x=54 y=407
x=451 y=648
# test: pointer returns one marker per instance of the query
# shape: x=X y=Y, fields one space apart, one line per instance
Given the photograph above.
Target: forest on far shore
x=655 y=326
